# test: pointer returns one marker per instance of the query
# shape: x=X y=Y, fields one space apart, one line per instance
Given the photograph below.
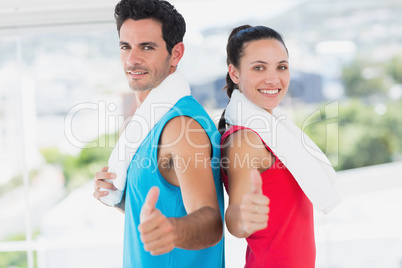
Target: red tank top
x=288 y=241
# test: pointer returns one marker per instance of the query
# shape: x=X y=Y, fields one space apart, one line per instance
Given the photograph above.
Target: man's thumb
x=256 y=181
x=150 y=202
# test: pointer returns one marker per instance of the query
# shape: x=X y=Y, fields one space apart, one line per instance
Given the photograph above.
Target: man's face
x=143 y=54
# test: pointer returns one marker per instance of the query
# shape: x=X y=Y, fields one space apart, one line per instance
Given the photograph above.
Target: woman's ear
x=177 y=54
x=234 y=73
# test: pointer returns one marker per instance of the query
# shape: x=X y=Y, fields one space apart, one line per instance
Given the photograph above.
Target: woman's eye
x=283 y=67
x=258 y=68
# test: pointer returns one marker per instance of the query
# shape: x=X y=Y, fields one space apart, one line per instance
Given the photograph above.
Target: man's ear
x=234 y=74
x=177 y=54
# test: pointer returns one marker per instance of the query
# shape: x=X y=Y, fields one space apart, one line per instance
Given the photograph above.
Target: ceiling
x=17 y=14
x=25 y=13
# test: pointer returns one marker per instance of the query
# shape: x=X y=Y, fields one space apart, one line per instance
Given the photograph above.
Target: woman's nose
x=272 y=77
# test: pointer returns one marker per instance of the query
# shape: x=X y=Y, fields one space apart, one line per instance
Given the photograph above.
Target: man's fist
x=156 y=231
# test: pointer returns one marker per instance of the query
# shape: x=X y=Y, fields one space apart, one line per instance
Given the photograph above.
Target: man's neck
x=140 y=97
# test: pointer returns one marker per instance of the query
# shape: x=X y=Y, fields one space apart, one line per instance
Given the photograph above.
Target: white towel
x=307 y=163
x=159 y=101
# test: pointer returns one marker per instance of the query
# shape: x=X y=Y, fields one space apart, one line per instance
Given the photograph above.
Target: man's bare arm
x=200 y=229
x=203 y=226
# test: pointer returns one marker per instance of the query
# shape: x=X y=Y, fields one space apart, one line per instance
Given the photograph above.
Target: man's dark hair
x=173 y=24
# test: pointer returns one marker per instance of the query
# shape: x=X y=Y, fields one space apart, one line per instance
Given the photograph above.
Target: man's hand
x=156 y=230
x=99 y=182
x=254 y=208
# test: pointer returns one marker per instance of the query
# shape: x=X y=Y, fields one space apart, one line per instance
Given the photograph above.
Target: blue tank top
x=143 y=173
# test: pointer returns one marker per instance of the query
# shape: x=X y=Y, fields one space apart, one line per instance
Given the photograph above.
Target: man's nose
x=134 y=58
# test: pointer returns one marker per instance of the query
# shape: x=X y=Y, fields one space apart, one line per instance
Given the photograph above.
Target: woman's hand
x=254 y=208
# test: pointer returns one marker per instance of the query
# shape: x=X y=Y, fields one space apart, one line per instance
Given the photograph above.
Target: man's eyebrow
x=152 y=44
x=143 y=44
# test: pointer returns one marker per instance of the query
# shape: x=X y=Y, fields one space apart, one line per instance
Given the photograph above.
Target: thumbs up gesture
x=254 y=208
x=149 y=205
x=156 y=230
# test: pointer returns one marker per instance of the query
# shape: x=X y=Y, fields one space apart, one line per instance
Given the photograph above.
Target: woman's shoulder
x=245 y=135
x=247 y=145
x=244 y=140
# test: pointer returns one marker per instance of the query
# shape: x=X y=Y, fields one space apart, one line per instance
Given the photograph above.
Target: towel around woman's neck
x=302 y=157
x=159 y=101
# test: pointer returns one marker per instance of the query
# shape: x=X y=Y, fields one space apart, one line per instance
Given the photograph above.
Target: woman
x=268 y=166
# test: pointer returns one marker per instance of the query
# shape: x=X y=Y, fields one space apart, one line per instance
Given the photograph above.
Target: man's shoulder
x=188 y=120
x=180 y=125
x=188 y=102
x=184 y=132
x=188 y=108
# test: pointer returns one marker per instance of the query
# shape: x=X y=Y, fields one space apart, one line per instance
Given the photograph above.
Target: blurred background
x=63 y=97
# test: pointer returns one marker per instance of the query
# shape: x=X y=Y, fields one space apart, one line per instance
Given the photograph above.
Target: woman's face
x=263 y=76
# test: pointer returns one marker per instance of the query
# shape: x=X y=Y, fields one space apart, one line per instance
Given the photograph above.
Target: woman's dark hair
x=173 y=24
x=237 y=41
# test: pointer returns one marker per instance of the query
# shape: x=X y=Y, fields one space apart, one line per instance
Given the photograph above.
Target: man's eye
x=148 y=48
x=124 y=47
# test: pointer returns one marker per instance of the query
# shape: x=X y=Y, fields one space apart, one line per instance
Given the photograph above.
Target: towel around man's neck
x=307 y=163
x=159 y=101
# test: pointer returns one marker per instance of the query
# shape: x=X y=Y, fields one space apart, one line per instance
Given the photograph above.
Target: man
x=179 y=222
